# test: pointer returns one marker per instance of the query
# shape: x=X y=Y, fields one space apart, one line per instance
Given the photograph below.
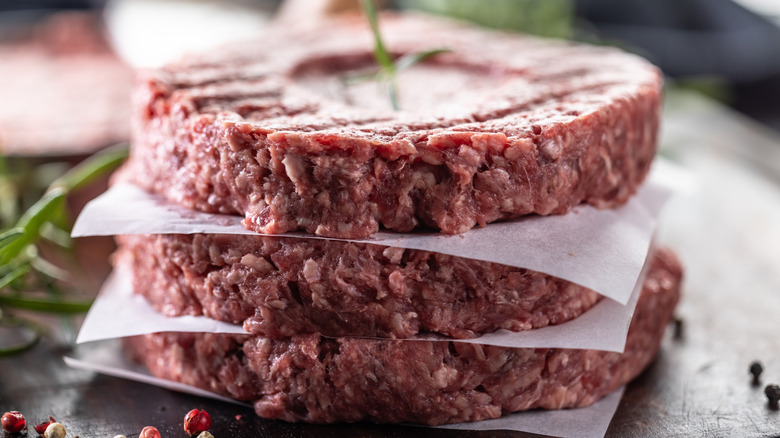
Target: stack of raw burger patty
x=501 y=126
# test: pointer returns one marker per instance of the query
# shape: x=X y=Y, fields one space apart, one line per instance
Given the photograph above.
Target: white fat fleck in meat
x=236 y=276
x=311 y=271
x=319 y=299
x=293 y=166
x=323 y=198
x=243 y=179
x=393 y=254
x=344 y=227
x=425 y=180
x=557 y=361
x=259 y=264
x=461 y=403
x=507 y=204
x=469 y=156
x=432 y=157
x=497 y=359
x=401 y=322
x=445 y=273
x=215 y=252
x=443 y=376
x=277 y=304
x=552 y=148
x=397 y=283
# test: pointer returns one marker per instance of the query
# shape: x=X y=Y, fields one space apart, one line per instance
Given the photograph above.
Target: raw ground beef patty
x=501 y=126
x=277 y=287
x=321 y=380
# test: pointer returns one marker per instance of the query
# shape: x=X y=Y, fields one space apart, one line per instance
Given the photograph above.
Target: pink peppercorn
x=196 y=421
x=149 y=432
x=13 y=421
x=41 y=428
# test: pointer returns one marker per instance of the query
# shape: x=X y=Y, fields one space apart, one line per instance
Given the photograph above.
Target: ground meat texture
x=502 y=126
x=278 y=287
x=323 y=380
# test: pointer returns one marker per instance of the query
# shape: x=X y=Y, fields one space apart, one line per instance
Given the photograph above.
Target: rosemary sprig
x=46 y=305
x=49 y=206
x=381 y=54
x=24 y=273
x=411 y=59
x=14 y=275
x=10 y=236
x=92 y=168
x=389 y=69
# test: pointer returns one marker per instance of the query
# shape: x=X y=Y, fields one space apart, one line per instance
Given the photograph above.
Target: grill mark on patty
x=264 y=101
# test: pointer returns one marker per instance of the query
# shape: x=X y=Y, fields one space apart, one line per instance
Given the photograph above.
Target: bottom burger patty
x=316 y=379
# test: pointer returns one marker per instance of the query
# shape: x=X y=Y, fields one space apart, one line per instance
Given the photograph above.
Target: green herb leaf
x=10 y=236
x=17 y=349
x=392 y=90
x=49 y=206
x=56 y=235
x=12 y=276
x=381 y=54
x=21 y=348
x=388 y=68
x=92 y=168
x=50 y=270
x=47 y=220
x=42 y=211
x=411 y=59
x=48 y=305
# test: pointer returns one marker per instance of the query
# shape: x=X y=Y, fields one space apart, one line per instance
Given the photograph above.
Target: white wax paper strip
x=590 y=422
x=118 y=313
x=106 y=357
x=603 y=250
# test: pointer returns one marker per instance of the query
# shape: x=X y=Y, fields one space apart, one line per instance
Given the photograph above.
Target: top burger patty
x=501 y=126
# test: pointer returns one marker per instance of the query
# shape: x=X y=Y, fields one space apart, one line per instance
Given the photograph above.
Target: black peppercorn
x=678 y=328
x=756 y=369
x=773 y=394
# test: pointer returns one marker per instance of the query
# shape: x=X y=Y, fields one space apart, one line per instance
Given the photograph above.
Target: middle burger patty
x=278 y=287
